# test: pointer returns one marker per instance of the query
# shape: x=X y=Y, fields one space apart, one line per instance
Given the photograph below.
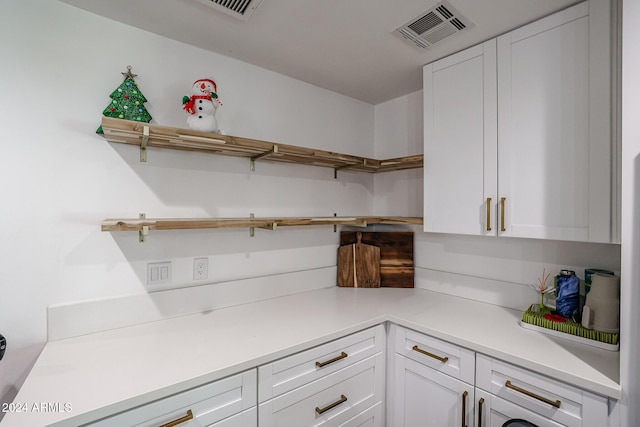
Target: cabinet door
x=493 y=411
x=426 y=397
x=460 y=132
x=554 y=165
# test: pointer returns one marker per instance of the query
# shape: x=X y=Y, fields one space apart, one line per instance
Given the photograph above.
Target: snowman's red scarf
x=189 y=105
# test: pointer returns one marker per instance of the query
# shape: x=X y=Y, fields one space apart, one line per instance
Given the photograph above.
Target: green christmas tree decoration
x=127 y=102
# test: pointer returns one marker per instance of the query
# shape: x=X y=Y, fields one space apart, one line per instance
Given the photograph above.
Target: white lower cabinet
x=436 y=383
x=432 y=382
x=371 y=417
x=493 y=411
x=248 y=418
x=340 y=383
x=508 y=391
x=442 y=356
x=330 y=401
x=426 y=397
x=293 y=371
x=230 y=402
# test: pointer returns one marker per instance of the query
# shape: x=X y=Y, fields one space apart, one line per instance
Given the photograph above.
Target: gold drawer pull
x=480 y=404
x=181 y=420
x=321 y=411
x=488 y=213
x=335 y=359
x=426 y=353
x=555 y=404
x=502 y=200
x=464 y=407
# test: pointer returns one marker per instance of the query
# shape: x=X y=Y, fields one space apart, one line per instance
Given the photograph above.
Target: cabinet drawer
x=555 y=400
x=371 y=417
x=208 y=404
x=331 y=400
x=294 y=371
x=440 y=355
x=248 y=418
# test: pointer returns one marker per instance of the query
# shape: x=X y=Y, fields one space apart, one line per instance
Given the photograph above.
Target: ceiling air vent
x=239 y=8
x=433 y=26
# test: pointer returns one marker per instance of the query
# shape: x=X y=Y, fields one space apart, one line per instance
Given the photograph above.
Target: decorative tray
x=534 y=319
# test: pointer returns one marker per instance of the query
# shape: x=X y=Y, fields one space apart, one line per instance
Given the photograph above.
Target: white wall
x=398 y=132
x=490 y=269
x=60 y=179
x=630 y=301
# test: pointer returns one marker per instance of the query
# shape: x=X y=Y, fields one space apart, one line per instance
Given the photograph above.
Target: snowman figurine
x=202 y=106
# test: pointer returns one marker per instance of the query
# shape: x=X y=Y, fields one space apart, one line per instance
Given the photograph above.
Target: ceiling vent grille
x=433 y=26
x=241 y=9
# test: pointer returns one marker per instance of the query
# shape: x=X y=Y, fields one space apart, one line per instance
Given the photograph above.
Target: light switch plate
x=158 y=273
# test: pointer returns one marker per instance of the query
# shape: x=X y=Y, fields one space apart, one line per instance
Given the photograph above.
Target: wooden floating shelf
x=145 y=224
x=147 y=135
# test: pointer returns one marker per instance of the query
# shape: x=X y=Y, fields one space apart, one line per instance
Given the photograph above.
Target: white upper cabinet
x=554 y=162
x=518 y=141
x=460 y=152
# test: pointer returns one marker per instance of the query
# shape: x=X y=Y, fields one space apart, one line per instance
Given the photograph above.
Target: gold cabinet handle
x=502 y=200
x=480 y=404
x=335 y=359
x=181 y=420
x=555 y=404
x=321 y=411
x=464 y=407
x=488 y=213
x=426 y=353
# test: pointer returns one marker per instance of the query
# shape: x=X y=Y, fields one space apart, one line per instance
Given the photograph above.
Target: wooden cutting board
x=396 y=255
x=359 y=265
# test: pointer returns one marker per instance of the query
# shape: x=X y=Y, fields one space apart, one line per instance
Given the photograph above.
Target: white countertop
x=108 y=372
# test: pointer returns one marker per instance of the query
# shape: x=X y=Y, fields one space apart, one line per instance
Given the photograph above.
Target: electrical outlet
x=200 y=268
x=158 y=273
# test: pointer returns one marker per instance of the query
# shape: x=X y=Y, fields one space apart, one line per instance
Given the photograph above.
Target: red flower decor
x=555 y=318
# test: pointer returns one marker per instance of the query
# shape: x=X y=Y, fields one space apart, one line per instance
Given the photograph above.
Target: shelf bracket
x=273 y=226
x=143 y=144
x=252 y=165
x=145 y=229
x=335 y=226
x=347 y=166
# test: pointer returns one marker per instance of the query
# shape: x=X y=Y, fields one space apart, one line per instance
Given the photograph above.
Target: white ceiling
x=346 y=46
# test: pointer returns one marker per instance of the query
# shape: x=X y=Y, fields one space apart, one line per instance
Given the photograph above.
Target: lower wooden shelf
x=146 y=224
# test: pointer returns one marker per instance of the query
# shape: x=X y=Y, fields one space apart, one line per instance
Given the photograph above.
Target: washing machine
x=518 y=423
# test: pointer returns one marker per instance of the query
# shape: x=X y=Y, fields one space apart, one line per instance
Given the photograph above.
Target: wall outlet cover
x=200 y=268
